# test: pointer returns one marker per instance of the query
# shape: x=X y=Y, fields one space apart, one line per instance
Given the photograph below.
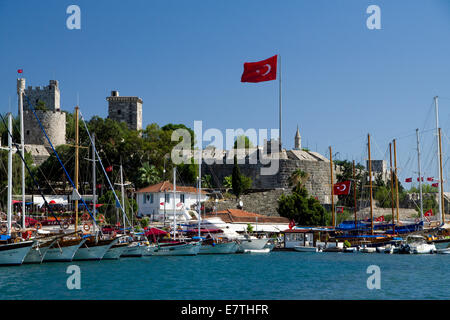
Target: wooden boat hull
x=219 y=248
x=63 y=251
x=115 y=251
x=38 y=252
x=183 y=249
x=92 y=250
x=14 y=253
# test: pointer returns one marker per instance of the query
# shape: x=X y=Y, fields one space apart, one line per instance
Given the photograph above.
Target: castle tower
x=125 y=109
x=50 y=95
x=298 y=140
x=53 y=119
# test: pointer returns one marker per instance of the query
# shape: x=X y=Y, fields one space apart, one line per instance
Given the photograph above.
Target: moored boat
x=14 y=253
x=94 y=249
x=115 y=251
x=63 y=250
x=38 y=251
x=177 y=248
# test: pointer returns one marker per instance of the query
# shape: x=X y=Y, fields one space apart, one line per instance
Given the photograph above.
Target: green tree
x=298 y=178
x=148 y=175
x=236 y=179
x=242 y=140
x=303 y=209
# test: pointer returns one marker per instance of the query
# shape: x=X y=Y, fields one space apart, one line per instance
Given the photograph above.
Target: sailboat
x=12 y=249
x=176 y=247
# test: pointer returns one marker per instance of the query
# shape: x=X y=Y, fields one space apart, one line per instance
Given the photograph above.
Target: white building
x=157 y=201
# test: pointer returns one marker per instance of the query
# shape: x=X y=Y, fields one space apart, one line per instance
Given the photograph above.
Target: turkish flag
x=381 y=218
x=420 y=178
x=291 y=224
x=430 y=179
x=435 y=184
x=109 y=169
x=339 y=209
x=410 y=179
x=429 y=213
x=264 y=70
x=341 y=188
x=20 y=71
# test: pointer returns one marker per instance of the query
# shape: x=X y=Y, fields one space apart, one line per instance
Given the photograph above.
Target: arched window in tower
x=118 y=112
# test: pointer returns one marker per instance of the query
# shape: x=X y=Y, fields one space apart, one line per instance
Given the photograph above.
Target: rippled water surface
x=277 y=275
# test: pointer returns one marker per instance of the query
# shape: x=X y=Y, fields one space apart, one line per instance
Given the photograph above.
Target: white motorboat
x=14 y=253
x=177 y=249
x=306 y=249
x=418 y=245
x=135 y=249
x=251 y=243
x=365 y=249
x=381 y=249
x=265 y=250
x=63 y=250
x=38 y=251
x=94 y=249
x=219 y=248
x=443 y=251
x=115 y=251
x=350 y=249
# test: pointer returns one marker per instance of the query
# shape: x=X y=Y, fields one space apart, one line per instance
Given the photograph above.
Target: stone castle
x=53 y=120
x=314 y=164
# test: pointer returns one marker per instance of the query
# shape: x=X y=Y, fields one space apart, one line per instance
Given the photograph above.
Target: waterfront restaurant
x=306 y=236
x=157 y=201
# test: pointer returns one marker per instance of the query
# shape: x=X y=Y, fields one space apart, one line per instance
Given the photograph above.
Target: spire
x=298 y=140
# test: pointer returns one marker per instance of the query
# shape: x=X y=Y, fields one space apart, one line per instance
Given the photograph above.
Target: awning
x=155 y=231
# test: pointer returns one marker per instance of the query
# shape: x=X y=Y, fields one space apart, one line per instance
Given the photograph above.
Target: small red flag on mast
x=20 y=71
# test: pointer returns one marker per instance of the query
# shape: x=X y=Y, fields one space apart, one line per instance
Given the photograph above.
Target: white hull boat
x=422 y=248
x=149 y=250
x=181 y=249
x=443 y=251
x=351 y=249
x=115 y=251
x=252 y=244
x=94 y=251
x=368 y=250
x=135 y=249
x=62 y=254
x=38 y=252
x=14 y=253
x=219 y=248
x=265 y=250
x=306 y=249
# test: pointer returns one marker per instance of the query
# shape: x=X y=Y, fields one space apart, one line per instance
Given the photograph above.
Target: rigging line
x=31 y=174
x=51 y=145
x=103 y=168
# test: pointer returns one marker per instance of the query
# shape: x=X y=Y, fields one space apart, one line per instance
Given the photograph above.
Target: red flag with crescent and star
x=260 y=71
x=291 y=224
x=429 y=213
x=342 y=188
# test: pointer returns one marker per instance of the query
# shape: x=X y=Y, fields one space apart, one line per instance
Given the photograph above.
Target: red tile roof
x=237 y=215
x=167 y=186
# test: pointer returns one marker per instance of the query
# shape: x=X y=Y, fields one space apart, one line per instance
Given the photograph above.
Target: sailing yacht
x=12 y=249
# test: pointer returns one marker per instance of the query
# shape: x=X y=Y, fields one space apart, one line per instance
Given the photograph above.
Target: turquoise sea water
x=277 y=275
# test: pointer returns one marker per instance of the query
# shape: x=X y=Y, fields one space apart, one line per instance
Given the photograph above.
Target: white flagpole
x=279 y=67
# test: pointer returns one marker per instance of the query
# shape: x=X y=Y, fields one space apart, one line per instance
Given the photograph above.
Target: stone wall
x=318 y=183
x=54 y=123
x=263 y=202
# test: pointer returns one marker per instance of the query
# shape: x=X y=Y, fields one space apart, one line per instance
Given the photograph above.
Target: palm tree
x=148 y=175
x=298 y=178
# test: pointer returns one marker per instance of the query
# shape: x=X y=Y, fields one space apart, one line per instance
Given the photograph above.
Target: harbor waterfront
x=284 y=275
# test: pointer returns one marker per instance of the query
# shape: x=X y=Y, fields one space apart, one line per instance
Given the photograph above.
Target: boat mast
x=370 y=185
x=420 y=175
x=333 y=219
x=94 y=180
x=10 y=154
x=122 y=190
x=20 y=89
x=174 y=207
x=436 y=105
x=76 y=165
x=354 y=193
x=199 y=190
x=392 y=188
x=396 y=182
x=441 y=189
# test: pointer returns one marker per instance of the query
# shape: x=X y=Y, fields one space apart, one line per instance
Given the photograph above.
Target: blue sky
x=185 y=58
